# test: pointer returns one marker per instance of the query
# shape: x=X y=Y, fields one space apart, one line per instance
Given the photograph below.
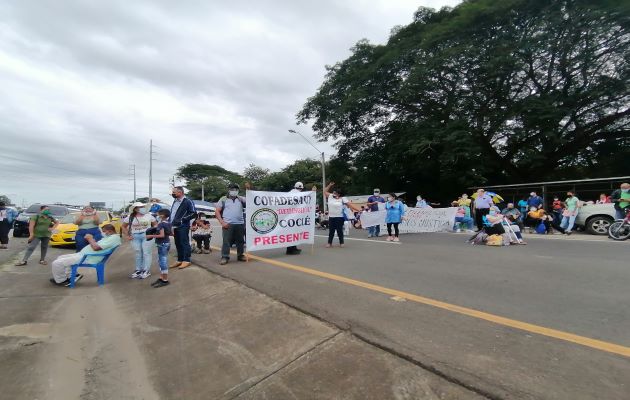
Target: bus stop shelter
x=584 y=189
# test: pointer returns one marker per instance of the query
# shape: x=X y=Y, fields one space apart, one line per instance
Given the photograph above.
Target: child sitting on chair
x=61 y=267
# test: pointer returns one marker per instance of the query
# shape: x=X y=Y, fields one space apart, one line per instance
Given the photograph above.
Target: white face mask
x=418 y=198
x=142 y=210
x=233 y=193
x=377 y=193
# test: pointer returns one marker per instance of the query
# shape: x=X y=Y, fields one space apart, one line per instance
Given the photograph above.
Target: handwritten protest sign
x=416 y=219
x=277 y=219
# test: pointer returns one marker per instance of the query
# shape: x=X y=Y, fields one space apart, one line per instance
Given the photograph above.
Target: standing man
x=229 y=213
x=372 y=203
x=7 y=215
x=483 y=202
x=621 y=199
x=293 y=250
x=182 y=212
x=534 y=201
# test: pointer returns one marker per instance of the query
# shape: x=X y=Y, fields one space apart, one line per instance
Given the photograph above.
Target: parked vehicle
x=596 y=218
x=65 y=232
x=20 y=225
x=620 y=229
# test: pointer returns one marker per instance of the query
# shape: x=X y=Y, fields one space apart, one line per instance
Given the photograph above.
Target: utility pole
x=132 y=174
x=323 y=166
x=151 y=159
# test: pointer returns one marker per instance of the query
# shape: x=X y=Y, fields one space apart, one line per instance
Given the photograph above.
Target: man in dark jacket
x=182 y=212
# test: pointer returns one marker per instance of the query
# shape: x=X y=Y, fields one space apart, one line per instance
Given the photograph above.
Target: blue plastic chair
x=100 y=266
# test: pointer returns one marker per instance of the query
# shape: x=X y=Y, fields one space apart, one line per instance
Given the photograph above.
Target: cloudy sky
x=87 y=83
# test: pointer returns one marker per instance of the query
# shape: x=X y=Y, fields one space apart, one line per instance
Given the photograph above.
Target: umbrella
x=495 y=197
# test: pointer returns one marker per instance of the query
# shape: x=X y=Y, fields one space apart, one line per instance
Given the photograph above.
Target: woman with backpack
x=395 y=212
x=40 y=229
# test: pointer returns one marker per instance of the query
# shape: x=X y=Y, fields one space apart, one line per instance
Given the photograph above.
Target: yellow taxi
x=64 y=234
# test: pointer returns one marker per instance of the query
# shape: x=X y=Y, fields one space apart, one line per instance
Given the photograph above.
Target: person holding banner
x=372 y=203
x=229 y=213
x=395 y=211
x=293 y=250
x=336 y=203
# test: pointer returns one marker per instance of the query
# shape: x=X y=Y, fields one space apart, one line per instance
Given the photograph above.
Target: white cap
x=299 y=185
x=136 y=204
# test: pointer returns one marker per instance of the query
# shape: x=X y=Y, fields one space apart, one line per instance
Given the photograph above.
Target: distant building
x=97 y=204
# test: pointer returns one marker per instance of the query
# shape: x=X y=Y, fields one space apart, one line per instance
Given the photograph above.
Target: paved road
x=577 y=287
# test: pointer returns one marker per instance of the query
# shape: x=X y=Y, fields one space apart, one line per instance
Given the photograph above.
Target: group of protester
x=146 y=231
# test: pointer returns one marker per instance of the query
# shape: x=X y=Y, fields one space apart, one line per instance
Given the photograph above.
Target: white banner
x=278 y=219
x=416 y=220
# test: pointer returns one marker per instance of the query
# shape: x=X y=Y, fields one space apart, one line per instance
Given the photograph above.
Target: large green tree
x=5 y=199
x=490 y=91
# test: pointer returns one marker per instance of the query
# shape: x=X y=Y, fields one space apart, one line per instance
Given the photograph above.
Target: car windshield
x=69 y=219
x=55 y=210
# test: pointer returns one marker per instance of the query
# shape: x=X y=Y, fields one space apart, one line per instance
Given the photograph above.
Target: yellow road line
x=541 y=330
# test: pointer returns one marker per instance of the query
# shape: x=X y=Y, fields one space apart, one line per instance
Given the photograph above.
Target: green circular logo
x=264 y=220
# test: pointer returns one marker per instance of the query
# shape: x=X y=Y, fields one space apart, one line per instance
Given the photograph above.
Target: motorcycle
x=620 y=229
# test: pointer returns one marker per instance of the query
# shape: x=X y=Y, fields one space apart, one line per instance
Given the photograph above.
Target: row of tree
x=215 y=179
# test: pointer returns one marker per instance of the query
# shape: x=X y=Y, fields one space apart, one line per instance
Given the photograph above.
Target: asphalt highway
x=549 y=320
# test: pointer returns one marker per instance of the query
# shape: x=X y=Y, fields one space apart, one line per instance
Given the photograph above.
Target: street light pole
x=323 y=166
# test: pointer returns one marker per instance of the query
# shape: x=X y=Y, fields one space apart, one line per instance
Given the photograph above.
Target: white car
x=596 y=218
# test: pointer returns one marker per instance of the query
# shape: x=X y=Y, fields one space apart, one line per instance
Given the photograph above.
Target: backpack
x=541 y=228
x=479 y=238
x=495 y=240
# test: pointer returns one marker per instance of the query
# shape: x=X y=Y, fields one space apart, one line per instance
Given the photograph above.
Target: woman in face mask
x=570 y=213
x=40 y=229
x=395 y=212
x=336 y=204
x=88 y=222
x=134 y=229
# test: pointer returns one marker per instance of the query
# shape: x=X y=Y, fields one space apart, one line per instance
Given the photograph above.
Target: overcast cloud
x=86 y=85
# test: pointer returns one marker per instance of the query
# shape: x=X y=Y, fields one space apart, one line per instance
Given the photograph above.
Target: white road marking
x=362 y=240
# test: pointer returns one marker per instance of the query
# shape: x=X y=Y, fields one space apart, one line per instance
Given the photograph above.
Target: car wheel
x=598 y=225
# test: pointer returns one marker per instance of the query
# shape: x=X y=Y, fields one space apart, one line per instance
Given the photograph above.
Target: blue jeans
x=374 y=230
x=163 y=249
x=465 y=220
x=182 y=243
x=567 y=223
x=620 y=214
x=80 y=237
x=143 y=248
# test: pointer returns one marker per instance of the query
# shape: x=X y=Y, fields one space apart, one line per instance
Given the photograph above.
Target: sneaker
x=144 y=275
x=155 y=282
x=458 y=230
x=184 y=264
x=568 y=233
x=199 y=251
x=369 y=236
x=293 y=252
x=76 y=279
x=389 y=238
x=342 y=245
x=206 y=251
x=135 y=275
x=223 y=261
x=328 y=245
x=241 y=258
x=395 y=239
x=160 y=283
x=470 y=231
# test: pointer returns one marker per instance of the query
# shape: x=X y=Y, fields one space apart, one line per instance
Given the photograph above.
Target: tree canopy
x=487 y=92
